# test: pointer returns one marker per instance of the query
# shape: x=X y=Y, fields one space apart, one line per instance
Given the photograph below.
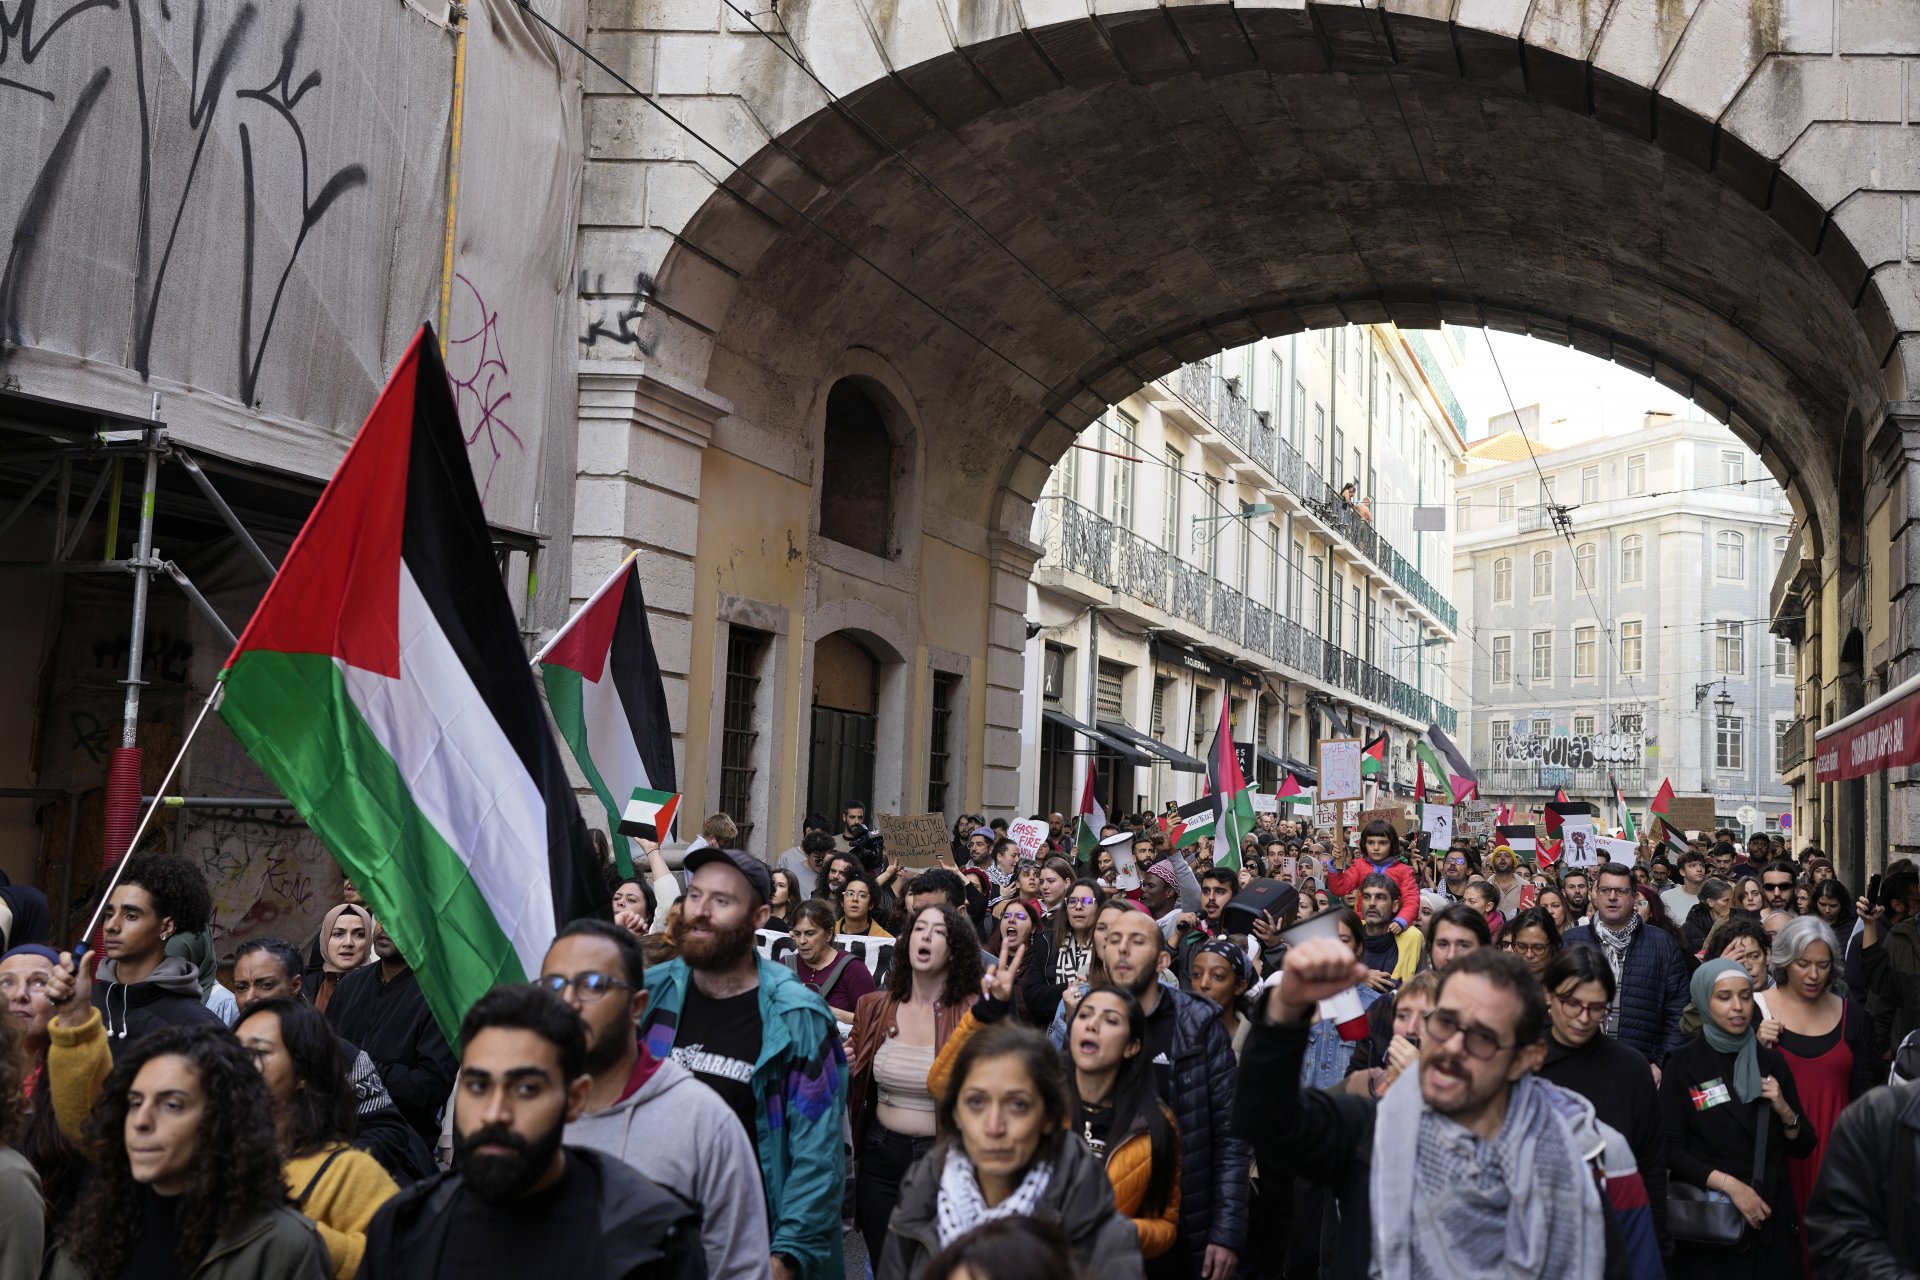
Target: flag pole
x=590 y=601
x=146 y=819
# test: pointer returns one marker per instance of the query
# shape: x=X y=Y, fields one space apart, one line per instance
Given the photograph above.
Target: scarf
x=1615 y=945
x=326 y=931
x=1743 y=1047
x=1520 y=1207
x=960 y=1207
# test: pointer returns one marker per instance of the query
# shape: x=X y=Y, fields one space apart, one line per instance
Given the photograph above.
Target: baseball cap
x=745 y=863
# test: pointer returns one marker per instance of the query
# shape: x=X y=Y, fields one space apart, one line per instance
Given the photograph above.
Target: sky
x=1565 y=384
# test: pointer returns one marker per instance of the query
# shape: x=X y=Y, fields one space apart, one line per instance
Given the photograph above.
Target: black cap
x=745 y=863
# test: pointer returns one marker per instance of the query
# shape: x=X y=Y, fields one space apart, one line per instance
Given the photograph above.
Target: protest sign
x=1349 y=813
x=1325 y=816
x=1691 y=813
x=1475 y=818
x=1263 y=803
x=1340 y=769
x=1437 y=822
x=918 y=840
x=1611 y=850
x=1393 y=815
x=1577 y=840
x=1031 y=836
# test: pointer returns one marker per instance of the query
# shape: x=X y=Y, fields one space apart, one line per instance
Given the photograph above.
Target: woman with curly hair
x=897 y=1035
x=139 y=986
x=23 y=1214
x=189 y=1174
x=315 y=1115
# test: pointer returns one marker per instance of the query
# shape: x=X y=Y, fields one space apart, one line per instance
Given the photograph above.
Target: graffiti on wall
x=1569 y=751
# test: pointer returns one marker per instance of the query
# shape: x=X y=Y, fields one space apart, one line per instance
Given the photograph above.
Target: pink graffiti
x=486 y=385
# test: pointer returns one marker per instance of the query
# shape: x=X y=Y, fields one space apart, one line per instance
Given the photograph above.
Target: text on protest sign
x=1031 y=836
x=918 y=840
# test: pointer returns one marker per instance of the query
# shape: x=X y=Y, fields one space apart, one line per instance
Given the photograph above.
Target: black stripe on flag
x=636 y=674
x=447 y=547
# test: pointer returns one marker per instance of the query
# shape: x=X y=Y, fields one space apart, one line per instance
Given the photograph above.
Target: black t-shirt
x=719 y=1041
x=1096 y=1124
x=550 y=1233
x=156 y=1237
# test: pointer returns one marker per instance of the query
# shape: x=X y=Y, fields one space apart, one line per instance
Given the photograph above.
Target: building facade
x=1615 y=594
x=1198 y=548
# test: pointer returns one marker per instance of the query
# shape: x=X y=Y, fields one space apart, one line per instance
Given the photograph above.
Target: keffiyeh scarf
x=1523 y=1206
x=1615 y=945
x=960 y=1207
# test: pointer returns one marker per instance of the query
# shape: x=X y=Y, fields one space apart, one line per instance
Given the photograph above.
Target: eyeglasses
x=1083 y=901
x=1595 y=1010
x=588 y=986
x=1614 y=890
x=1444 y=1024
x=1529 y=949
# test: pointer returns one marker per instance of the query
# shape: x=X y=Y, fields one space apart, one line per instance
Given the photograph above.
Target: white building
x=1614 y=602
x=1197 y=548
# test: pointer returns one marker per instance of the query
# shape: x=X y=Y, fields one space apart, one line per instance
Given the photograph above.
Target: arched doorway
x=845 y=724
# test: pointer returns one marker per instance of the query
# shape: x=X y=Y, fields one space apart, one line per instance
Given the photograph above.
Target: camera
x=867 y=845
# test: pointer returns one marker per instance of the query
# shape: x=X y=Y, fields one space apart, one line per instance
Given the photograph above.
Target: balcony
x=1222 y=405
x=1543 y=779
x=1793 y=746
x=1080 y=542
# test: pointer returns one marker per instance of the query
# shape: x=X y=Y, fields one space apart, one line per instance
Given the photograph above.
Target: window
x=1110 y=691
x=1170 y=515
x=1243 y=532
x=1730 y=555
x=1733 y=468
x=1633 y=558
x=1066 y=475
x=1299 y=576
x=1543 y=728
x=1278 y=367
x=1318 y=458
x=1213 y=526
x=1503 y=659
x=740 y=724
x=1783 y=657
x=1729 y=649
x=1590 y=484
x=939 y=753
x=1502 y=732
x=1119 y=496
x=1586 y=652
x=1729 y=743
x=1543 y=655
x=1503 y=580
x=1462 y=515
x=1273 y=566
x=858 y=471
x=1632 y=647
x=1583 y=726
x=1505 y=498
x=1542 y=573
x=1339 y=590
x=1299 y=422
x=1339 y=467
x=1632 y=724
x=1636 y=474
x=1780 y=730
x=1584 y=557
x=1353 y=615
x=1053 y=675
x=1158 y=719
x=1315 y=618
x=1546 y=491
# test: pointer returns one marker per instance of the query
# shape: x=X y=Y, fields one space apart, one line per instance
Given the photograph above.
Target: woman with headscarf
x=346 y=943
x=1726 y=1098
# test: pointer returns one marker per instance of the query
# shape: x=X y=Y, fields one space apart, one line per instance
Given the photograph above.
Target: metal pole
x=219 y=504
x=142 y=576
x=199 y=602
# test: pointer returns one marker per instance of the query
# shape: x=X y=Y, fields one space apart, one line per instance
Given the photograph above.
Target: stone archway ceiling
x=1182 y=180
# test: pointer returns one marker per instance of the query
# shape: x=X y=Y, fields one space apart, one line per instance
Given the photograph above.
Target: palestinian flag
x=1671 y=836
x=383 y=686
x=605 y=692
x=1233 y=816
x=1663 y=799
x=1091 y=818
x=1291 y=792
x=1373 y=757
x=1628 y=830
x=1448 y=765
x=1191 y=823
x=1550 y=819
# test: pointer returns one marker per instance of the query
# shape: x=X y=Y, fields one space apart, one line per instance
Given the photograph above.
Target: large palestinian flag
x=383 y=687
x=1233 y=816
x=605 y=692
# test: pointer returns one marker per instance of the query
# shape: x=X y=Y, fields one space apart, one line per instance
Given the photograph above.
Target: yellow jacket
x=341 y=1201
x=1129 y=1167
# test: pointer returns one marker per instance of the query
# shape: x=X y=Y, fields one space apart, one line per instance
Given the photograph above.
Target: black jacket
x=1617 y=1082
x=383 y=1133
x=646 y=1231
x=1214 y=1164
x=1861 y=1220
x=168 y=997
x=390 y=1021
x=1720 y=1139
x=1653 y=990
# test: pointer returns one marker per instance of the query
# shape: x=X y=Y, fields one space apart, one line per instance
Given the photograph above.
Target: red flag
x=1663 y=798
x=1548 y=851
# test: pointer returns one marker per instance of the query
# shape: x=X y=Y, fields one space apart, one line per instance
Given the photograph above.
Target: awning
x=1307 y=775
x=1884 y=734
x=1127 y=733
x=1268 y=758
x=1105 y=741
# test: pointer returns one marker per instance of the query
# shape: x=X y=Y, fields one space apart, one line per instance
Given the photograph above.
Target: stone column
x=637 y=489
x=1011 y=560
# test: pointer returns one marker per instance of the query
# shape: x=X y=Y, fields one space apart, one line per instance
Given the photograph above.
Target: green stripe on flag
x=294 y=716
x=565 y=697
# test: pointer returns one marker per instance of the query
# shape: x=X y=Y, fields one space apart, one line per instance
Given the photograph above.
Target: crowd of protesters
x=1118 y=1055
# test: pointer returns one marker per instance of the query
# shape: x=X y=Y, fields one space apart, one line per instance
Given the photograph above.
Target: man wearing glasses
x=1648 y=969
x=652 y=1113
x=1500 y=1174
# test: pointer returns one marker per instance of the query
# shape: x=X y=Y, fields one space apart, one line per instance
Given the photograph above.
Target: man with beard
x=752 y=1031
x=1471 y=1165
x=1577 y=889
x=1457 y=872
x=517 y=1202
x=1193 y=1072
x=380 y=1008
x=1391 y=957
x=652 y=1114
x=1506 y=883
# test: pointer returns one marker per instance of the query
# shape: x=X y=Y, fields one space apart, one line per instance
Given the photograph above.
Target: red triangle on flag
x=1663 y=799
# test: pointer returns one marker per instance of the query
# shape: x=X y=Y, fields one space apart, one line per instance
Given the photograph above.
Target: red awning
x=1884 y=734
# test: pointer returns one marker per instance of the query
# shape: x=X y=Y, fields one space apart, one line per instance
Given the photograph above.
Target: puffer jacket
x=1653 y=990
x=1860 y=1220
x=1129 y=1170
x=1078 y=1198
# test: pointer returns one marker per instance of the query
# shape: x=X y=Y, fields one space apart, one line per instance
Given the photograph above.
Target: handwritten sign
x=875 y=953
x=1031 y=836
x=1340 y=769
x=1326 y=816
x=918 y=840
x=1692 y=813
x=1437 y=822
x=1264 y=803
x=1611 y=850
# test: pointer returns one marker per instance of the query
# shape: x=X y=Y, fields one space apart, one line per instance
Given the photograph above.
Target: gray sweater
x=22 y=1217
x=678 y=1132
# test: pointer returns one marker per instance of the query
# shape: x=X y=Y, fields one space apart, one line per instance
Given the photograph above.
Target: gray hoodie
x=169 y=996
x=678 y=1132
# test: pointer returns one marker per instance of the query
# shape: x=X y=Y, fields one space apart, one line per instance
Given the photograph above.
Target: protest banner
x=875 y=953
x=1692 y=813
x=1030 y=835
x=1611 y=850
x=1577 y=839
x=1340 y=769
x=919 y=840
x=1475 y=818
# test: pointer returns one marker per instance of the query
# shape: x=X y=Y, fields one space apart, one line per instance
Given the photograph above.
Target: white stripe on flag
x=464 y=775
x=610 y=736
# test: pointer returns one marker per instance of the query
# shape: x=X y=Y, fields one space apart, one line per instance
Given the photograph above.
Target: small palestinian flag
x=1671 y=836
x=1291 y=792
x=1628 y=830
x=1373 y=757
x=1663 y=799
x=1232 y=799
x=649 y=814
x=1090 y=819
x=1191 y=823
